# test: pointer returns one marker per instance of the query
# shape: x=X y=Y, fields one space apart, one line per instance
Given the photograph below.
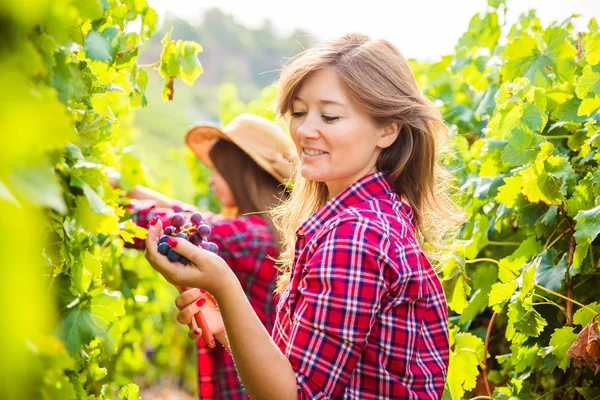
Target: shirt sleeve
x=221 y=234
x=339 y=297
x=238 y=239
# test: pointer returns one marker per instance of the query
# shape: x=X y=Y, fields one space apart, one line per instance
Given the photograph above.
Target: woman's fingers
x=183 y=300
x=195 y=334
x=205 y=270
x=188 y=297
x=195 y=254
x=186 y=315
x=151 y=244
x=175 y=273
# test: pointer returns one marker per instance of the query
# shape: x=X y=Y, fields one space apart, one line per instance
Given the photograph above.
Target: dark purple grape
x=213 y=247
x=172 y=256
x=184 y=260
x=177 y=220
x=169 y=230
x=163 y=248
x=205 y=245
x=204 y=230
x=187 y=226
x=195 y=238
x=196 y=219
x=181 y=235
x=163 y=239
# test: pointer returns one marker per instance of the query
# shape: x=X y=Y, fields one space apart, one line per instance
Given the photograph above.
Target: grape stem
x=556 y=137
x=566 y=216
x=553 y=232
x=559 y=237
x=484 y=259
x=150 y=65
x=493 y=243
x=566 y=298
x=548 y=301
x=572 y=245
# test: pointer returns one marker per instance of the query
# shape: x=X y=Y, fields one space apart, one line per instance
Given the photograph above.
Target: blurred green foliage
x=86 y=318
x=522 y=105
x=83 y=316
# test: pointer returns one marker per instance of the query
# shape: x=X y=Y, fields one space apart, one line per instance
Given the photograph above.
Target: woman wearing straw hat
x=362 y=313
x=251 y=158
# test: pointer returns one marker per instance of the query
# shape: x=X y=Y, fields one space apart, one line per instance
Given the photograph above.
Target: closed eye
x=329 y=119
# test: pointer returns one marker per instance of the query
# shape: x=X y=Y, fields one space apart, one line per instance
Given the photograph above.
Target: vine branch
x=485 y=351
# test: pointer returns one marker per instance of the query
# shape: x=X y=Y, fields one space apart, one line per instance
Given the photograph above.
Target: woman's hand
x=193 y=300
x=206 y=270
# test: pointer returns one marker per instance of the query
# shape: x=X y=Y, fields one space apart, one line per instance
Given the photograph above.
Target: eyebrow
x=323 y=101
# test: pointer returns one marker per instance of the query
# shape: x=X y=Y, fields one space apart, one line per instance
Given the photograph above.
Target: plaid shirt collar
x=372 y=185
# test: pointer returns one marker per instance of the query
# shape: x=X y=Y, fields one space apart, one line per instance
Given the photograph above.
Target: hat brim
x=200 y=139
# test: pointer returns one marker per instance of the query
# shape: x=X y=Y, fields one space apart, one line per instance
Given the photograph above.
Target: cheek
x=292 y=129
x=226 y=191
x=229 y=199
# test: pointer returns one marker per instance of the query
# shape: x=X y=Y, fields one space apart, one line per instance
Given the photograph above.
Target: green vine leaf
x=526 y=319
x=464 y=362
x=561 y=340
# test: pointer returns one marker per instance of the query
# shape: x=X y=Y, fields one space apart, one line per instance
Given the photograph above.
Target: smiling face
x=337 y=141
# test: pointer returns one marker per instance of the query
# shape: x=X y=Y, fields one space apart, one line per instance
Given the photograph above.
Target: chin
x=311 y=175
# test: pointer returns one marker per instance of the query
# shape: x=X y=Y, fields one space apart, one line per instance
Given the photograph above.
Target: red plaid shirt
x=364 y=316
x=244 y=243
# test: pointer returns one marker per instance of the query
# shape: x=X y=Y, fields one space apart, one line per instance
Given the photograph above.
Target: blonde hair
x=376 y=75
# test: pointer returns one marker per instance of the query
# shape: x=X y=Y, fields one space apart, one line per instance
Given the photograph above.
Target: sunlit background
x=424 y=29
x=246 y=43
x=62 y=254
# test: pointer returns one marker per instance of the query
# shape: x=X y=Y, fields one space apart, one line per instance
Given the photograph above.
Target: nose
x=308 y=129
x=211 y=180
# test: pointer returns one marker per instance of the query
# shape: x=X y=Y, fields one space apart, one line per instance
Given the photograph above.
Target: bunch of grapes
x=194 y=231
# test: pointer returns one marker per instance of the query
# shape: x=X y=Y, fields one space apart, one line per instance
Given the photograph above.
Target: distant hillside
x=249 y=58
x=233 y=53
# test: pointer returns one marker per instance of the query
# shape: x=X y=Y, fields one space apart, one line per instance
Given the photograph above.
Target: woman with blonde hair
x=362 y=313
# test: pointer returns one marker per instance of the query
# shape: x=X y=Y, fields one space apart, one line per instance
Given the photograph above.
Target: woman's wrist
x=228 y=294
x=229 y=288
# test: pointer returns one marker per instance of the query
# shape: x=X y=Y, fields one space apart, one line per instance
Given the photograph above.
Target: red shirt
x=364 y=316
x=244 y=243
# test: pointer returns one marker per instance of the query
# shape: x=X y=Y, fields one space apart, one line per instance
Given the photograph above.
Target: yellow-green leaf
x=592 y=50
x=561 y=340
x=500 y=293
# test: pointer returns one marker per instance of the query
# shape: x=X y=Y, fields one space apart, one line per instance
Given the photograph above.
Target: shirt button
x=300 y=232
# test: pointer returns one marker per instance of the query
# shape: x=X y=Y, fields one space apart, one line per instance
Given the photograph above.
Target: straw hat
x=263 y=140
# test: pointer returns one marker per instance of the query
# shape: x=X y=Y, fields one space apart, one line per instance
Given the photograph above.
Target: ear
x=388 y=135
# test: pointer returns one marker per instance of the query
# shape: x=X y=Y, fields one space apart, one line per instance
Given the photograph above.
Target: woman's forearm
x=265 y=372
x=143 y=193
